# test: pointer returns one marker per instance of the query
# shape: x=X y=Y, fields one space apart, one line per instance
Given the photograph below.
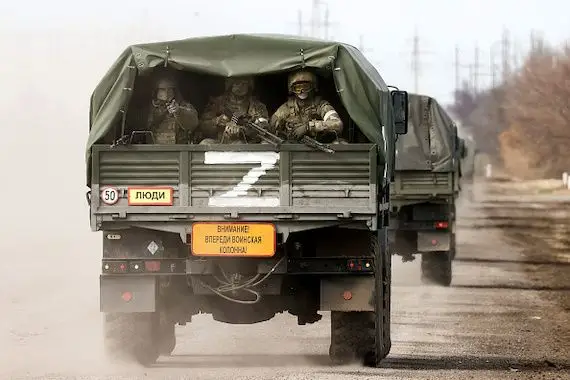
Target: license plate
x=150 y=196
x=233 y=239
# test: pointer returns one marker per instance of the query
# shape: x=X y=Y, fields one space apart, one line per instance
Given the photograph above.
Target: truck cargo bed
x=247 y=182
x=422 y=183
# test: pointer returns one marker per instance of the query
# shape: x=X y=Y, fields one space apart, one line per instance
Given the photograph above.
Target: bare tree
x=537 y=112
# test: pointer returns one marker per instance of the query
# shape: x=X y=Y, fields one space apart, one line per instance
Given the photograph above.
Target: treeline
x=536 y=107
x=525 y=123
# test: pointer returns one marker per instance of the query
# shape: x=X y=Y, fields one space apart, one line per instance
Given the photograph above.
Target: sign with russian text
x=150 y=196
x=233 y=239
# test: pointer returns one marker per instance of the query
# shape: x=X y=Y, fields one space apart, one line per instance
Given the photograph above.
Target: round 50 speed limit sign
x=110 y=195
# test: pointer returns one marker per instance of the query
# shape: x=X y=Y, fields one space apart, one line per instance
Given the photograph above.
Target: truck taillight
x=359 y=265
x=115 y=267
x=441 y=225
x=152 y=266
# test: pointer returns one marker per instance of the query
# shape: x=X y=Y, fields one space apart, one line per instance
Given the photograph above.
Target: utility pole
x=416 y=60
x=318 y=26
x=416 y=57
x=476 y=70
x=457 y=66
x=363 y=49
x=493 y=66
x=506 y=54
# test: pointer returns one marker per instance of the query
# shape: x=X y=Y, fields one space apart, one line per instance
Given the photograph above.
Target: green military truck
x=307 y=232
x=424 y=189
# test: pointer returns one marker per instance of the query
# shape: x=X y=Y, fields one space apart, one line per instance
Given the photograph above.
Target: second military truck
x=171 y=251
x=425 y=188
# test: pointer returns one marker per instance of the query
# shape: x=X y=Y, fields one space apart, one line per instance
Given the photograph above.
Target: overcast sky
x=387 y=28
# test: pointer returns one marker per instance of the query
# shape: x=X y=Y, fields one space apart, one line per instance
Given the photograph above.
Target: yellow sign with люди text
x=150 y=196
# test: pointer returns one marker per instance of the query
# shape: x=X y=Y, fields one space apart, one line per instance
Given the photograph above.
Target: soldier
x=171 y=119
x=306 y=113
x=220 y=117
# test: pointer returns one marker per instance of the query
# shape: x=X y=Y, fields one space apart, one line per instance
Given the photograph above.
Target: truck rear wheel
x=437 y=268
x=132 y=336
x=167 y=339
x=364 y=336
x=453 y=248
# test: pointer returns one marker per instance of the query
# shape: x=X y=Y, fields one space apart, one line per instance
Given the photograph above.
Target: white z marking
x=237 y=196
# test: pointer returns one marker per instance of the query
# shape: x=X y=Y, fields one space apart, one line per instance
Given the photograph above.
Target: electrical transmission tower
x=506 y=55
x=416 y=60
x=319 y=24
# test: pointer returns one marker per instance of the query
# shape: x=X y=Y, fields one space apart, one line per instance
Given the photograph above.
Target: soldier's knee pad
x=340 y=141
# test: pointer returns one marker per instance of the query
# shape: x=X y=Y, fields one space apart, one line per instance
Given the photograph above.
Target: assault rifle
x=242 y=120
x=311 y=142
x=130 y=139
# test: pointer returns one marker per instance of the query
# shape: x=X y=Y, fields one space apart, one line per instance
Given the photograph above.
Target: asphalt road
x=506 y=315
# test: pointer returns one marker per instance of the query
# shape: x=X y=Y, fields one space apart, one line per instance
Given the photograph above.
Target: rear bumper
x=342 y=293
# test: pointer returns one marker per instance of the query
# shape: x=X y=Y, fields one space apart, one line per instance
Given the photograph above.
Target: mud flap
x=121 y=294
x=434 y=241
x=354 y=293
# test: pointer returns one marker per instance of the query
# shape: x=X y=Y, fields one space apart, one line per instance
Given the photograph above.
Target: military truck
x=426 y=184
x=307 y=233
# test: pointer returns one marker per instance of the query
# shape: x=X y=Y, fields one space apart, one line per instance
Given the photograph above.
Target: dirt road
x=506 y=315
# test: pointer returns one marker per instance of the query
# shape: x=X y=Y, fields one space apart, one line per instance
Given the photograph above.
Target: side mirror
x=462 y=149
x=400 y=105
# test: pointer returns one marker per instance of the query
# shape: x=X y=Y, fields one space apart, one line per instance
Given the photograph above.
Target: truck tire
x=167 y=339
x=364 y=336
x=453 y=249
x=132 y=336
x=437 y=268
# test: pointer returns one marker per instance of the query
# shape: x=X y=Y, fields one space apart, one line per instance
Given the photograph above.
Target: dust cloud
x=50 y=287
x=50 y=319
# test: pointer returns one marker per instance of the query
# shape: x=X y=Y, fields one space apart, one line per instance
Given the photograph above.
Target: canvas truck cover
x=429 y=143
x=362 y=90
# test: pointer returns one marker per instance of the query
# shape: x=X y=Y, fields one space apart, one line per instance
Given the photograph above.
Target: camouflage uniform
x=171 y=121
x=215 y=121
x=306 y=114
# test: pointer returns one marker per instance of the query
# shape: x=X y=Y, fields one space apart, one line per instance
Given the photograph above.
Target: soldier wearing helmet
x=306 y=113
x=216 y=121
x=171 y=119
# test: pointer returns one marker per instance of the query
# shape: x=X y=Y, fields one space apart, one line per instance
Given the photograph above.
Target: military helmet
x=165 y=87
x=302 y=81
x=230 y=81
x=165 y=82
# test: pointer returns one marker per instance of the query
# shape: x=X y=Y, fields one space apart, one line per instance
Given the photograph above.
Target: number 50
x=110 y=195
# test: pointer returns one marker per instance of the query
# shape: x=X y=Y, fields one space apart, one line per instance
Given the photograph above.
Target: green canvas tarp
x=429 y=143
x=362 y=90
